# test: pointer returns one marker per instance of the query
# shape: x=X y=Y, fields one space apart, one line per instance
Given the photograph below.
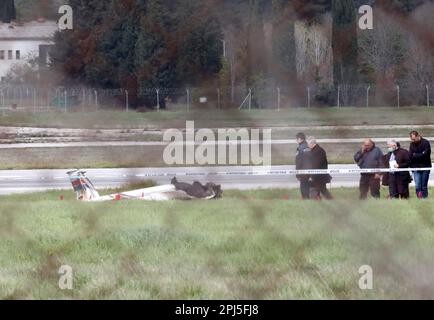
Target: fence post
x=66 y=100
x=308 y=97
x=84 y=100
x=127 y=101
x=427 y=96
x=250 y=99
x=27 y=97
x=96 y=99
x=278 y=99
x=218 y=98
x=158 y=99
x=47 y=105
x=21 y=97
x=367 y=96
x=3 y=103
x=34 y=100
x=397 y=92
x=188 y=100
x=339 y=96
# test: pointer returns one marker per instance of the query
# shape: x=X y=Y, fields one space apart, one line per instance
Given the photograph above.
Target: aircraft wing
x=160 y=193
x=86 y=191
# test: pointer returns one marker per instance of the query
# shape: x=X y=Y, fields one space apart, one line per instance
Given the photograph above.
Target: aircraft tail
x=83 y=187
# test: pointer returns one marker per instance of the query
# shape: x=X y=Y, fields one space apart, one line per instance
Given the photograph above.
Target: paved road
x=22 y=181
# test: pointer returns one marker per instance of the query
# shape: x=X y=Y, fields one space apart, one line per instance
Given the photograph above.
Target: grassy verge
x=211 y=118
x=133 y=157
x=251 y=245
x=353 y=134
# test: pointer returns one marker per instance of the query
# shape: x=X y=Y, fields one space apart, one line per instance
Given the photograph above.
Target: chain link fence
x=75 y=99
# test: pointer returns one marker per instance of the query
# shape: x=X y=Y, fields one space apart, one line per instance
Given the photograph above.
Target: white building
x=21 y=42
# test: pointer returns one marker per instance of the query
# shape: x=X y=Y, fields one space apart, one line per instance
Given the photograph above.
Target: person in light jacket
x=318 y=158
x=398 y=182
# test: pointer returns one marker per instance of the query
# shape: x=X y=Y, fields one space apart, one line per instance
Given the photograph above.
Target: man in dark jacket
x=420 y=156
x=398 y=182
x=369 y=157
x=318 y=159
x=302 y=162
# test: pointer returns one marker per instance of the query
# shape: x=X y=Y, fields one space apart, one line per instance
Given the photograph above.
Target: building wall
x=27 y=48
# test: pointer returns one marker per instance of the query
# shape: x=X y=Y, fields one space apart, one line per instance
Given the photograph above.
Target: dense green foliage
x=140 y=44
x=134 y=44
x=7 y=11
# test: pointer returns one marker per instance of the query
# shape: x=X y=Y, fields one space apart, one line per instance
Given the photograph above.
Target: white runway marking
x=95 y=144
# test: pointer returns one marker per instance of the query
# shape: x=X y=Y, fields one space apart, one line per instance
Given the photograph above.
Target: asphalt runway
x=25 y=181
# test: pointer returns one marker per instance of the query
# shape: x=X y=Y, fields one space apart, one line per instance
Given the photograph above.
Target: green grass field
x=248 y=245
x=212 y=118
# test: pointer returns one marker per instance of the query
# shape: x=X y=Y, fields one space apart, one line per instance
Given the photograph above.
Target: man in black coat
x=302 y=162
x=318 y=158
x=420 y=156
x=398 y=182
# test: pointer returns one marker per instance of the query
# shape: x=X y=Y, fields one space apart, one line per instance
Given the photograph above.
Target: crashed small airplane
x=86 y=191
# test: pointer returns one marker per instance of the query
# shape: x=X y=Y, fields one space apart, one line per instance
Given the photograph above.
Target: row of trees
x=7 y=11
x=318 y=42
x=143 y=43
x=251 y=43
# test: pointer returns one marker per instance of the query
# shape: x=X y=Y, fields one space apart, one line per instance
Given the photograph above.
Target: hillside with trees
x=241 y=43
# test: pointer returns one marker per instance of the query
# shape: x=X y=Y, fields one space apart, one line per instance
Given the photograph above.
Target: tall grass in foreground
x=249 y=245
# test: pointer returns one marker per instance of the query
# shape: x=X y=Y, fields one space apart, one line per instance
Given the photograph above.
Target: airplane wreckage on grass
x=86 y=191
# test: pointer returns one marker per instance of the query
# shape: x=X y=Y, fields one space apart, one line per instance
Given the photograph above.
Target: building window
x=10 y=54
x=18 y=55
x=2 y=54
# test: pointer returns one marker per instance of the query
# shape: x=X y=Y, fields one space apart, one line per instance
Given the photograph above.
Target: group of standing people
x=311 y=156
x=417 y=157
